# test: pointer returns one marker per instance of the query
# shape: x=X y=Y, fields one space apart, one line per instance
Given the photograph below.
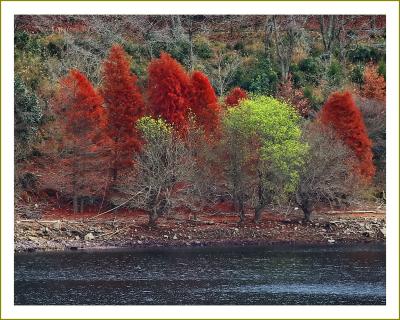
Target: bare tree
x=163 y=177
x=223 y=69
x=327 y=175
x=286 y=32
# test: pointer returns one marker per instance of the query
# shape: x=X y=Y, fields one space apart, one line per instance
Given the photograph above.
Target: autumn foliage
x=125 y=106
x=294 y=97
x=83 y=156
x=374 y=84
x=168 y=91
x=234 y=97
x=341 y=113
x=204 y=102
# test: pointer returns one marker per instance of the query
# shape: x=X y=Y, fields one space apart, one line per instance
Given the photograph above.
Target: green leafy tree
x=272 y=151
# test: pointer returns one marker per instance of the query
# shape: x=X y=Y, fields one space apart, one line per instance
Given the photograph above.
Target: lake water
x=255 y=275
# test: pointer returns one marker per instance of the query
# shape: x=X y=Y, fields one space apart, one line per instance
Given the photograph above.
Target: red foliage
x=83 y=157
x=341 y=113
x=204 y=102
x=125 y=106
x=234 y=97
x=169 y=90
x=294 y=97
x=374 y=85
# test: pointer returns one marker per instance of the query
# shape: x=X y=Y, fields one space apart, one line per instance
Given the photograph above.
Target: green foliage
x=238 y=46
x=30 y=59
x=276 y=126
x=357 y=74
x=28 y=43
x=258 y=77
x=335 y=73
x=382 y=68
x=311 y=68
x=154 y=130
x=298 y=76
x=27 y=117
x=202 y=48
x=364 y=54
x=315 y=101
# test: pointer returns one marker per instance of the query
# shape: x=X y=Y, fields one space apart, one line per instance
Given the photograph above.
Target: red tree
x=234 y=97
x=168 y=91
x=341 y=113
x=125 y=106
x=83 y=157
x=204 y=102
x=374 y=84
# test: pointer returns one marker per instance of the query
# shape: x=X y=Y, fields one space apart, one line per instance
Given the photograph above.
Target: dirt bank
x=60 y=229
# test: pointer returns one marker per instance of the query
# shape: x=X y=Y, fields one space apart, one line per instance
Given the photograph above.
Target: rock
x=57 y=225
x=331 y=241
x=165 y=236
x=135 y=230
x=383 y=232
x=197 y=242
x=34 y=239
x=175 y=237
x=77 y=238
x=139 y=242
x=89 y=236
x=236 y=229
x=190 y=237
x=323 y=230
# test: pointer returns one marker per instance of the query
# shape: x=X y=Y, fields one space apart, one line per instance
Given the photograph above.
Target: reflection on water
x=260 y=275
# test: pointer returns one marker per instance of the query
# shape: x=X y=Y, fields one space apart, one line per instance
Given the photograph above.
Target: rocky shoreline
x=45 y=235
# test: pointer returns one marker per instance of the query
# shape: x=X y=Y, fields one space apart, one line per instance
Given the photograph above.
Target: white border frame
x=390 y=9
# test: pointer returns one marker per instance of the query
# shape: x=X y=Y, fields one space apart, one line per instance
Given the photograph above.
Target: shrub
x=311 y=68
x=364 y=54
x=258 y=76
x=374 y=84
x=357 y=75
x=294 y=97
x=235 y=96
x=335 y=73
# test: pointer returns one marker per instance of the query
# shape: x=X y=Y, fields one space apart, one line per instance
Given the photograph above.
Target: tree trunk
x=241 y=209
x=75 y=202
x=153 y=218
x=114 y=174
x=257 y=213
x=82 y=204
x=191 y=55
x=305 y=206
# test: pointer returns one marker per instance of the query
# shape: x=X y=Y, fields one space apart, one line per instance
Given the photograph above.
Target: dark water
x=278 y=275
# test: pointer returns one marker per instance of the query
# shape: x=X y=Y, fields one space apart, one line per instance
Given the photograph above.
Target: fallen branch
x=120 y=205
